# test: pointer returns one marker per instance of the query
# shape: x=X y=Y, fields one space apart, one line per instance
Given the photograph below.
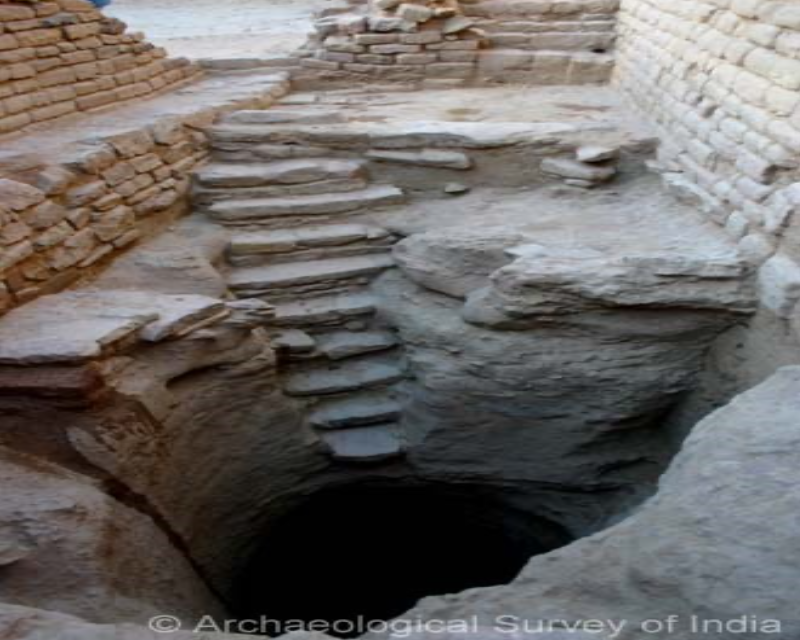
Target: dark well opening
x=372 y=551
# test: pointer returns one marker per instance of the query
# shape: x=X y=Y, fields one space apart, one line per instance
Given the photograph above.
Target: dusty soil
x=221 y=29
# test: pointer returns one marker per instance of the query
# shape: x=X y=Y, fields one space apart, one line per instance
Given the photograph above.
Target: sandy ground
x=221 y=28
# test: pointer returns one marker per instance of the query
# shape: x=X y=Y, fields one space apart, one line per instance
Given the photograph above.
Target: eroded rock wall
x=553 y=366
x=717 y=542
x=112 y=562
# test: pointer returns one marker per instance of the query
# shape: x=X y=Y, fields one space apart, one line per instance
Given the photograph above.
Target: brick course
x=59 y=57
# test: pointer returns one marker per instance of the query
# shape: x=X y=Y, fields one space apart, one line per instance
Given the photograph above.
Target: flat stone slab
x=246 y=210
x=324 y=310
x=313 y=271
x=288 y=240
x=347 y=344
x=436 y=158
x=397 y=135
x=286 y=116
x=358 y=410
x=370 y=444
x=354 y=376
x=284 y=172
x=74 y=327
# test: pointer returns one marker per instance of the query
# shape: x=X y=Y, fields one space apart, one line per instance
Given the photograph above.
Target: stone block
x=779 y=285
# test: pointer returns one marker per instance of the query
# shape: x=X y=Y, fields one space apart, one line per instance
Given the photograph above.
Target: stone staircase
x=295 y=247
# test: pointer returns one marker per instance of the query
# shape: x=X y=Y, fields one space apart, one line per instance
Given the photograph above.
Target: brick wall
x=721 y=78
x=473 y=43
x=59 y=57
x=546 y=41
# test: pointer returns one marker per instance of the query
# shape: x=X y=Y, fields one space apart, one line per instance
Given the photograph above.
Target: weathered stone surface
x=24 y=623
x=347 y=344
x=425 y=158
x=714 y=542
x=288 y=240
x=574 y=170
x=285 y=172
x=455 y=264
x=350 y=377
x=79 y=326
x=293 y=341
x=367 y=444
x=355 y=411
x=546 y=281
x=245 y=210
x=596 y=153
x=81 y=552
x=333 y=309
x=298 y=273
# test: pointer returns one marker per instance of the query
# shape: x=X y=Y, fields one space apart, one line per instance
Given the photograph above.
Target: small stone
x=456 y=24
x=414 y=12
x=596 y=153
x=573 y=170
x=456 y=188
x=293 y=341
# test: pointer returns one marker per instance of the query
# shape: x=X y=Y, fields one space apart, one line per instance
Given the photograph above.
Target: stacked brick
x=59 y=57
x=722 y=80
x=546 y=41
x=63 y=220
x=60 y=221
x=470 y=41
x=409 y=41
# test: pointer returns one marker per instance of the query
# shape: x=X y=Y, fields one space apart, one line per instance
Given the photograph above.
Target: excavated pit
x=370 y=551
x=385 y=381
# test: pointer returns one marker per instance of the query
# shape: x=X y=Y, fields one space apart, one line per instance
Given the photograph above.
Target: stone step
x=351 y=376
x=284 y=241
x=360 y=410
x=310 y=115
x=291 y=274
x=331 y=310
x=205 y=198
x=368 y=445
x=246 y=211
x=292 y=342
x=340 y=345
x=282 y=172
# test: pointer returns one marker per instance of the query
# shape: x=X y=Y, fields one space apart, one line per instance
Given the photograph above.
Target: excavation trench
x=473 y=364
x=369 y=551
x=445 y=358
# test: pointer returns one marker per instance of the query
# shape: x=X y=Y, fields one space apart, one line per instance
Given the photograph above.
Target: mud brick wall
x=64 y=217
x=388 y=40
x=61 y=221
x=485 y=42
x=721 y=79
x=546 y=41
x=59 y=57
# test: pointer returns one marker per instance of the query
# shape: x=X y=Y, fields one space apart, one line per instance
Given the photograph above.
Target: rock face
x=552 y=365
x=718 y=541
x=68 y=546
